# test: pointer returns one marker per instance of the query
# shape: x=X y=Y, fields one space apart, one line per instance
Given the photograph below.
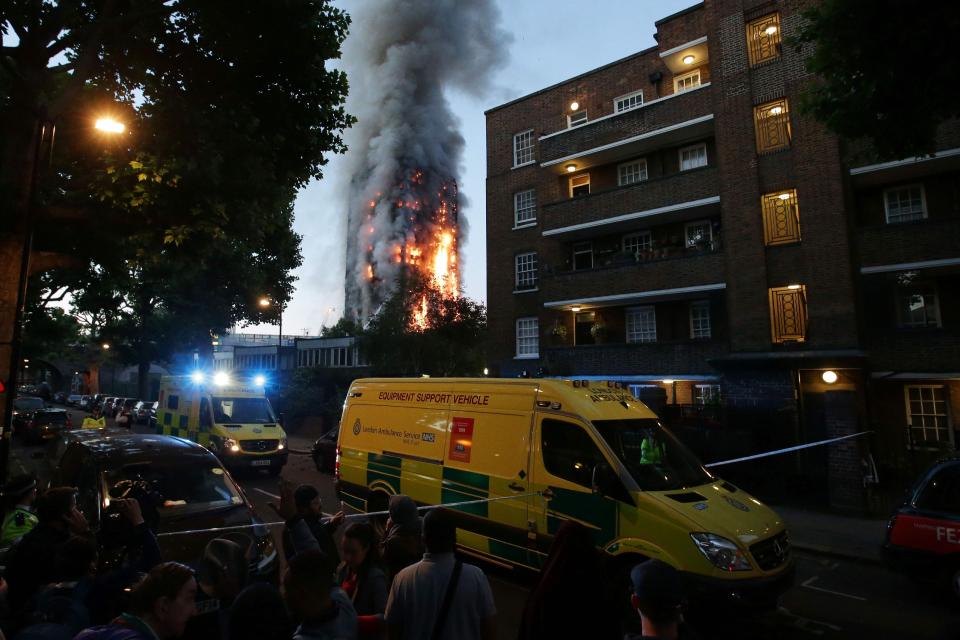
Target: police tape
x=787 y=450
x=351 y=516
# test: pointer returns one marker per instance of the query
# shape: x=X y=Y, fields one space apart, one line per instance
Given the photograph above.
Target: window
x=173 y=402
x=630 y=172
x=905 y=204
x=627 y=102
x=927 y=416
x=524 y=208
x=698 y=234
x=642 y=324
x=577 y=119
x=942 y=492
x=700 y=320
x=693 y=157
x=637 y=243
x=526 y=271
x=569 y=452
x=781 y=217
x=528 y=338
x=918 y=307
x=706 y=394
x=580 y=185
x=582 y=255
x=788 y=313
x=686 y=81
x=772 y=124
x=582 y=325
x=763 y=39
x=523 y=148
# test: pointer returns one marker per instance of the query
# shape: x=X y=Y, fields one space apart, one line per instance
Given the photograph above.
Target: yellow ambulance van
x=558 y=450
x=230 y=417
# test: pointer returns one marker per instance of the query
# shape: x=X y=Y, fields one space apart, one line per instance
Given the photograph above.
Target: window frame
x=801 y=320
x=755 y=30
x=911 y=428
x=574 y=252
x=630 y=313
x=699 y=400
x=706 y=157
x=533 y=278
x=924 y=214
x=764 y=125
x=700 y=305
x=577 y=177
x=924 y=288
x=697 y=223
x=517 y=222
x=636 y=234
x=678 y=79
x=580 y=122
x=626 y=97
x=516 y=150
x=770 y=210
x=642 y=172
x=535 y=336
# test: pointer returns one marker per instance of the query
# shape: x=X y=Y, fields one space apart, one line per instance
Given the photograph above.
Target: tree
x=875 y=81
x=184 y=223
x=344 y=328
x=419 y=331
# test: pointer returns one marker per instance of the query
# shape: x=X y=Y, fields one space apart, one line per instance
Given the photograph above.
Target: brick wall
x=909 y=242
x=632 y=359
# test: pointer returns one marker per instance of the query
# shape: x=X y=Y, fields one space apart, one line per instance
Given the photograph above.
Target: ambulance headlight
x=283 y=444
x=722 y=553
x=259 y=381
x=231 y=445
x=221 y=378
x=196 y=377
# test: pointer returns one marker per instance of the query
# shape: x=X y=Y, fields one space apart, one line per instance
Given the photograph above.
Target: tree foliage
x=452 y=344
x=876 y=80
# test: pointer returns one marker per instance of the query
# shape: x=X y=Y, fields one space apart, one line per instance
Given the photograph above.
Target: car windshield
x=176 y=487
x=243 y=410
x=652 y=455
x=28 y=404
x=51 y=417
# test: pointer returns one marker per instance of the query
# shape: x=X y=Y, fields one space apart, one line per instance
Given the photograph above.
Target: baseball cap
x=658 y=583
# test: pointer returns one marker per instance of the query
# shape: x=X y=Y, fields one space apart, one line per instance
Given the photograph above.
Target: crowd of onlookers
x=62 y=582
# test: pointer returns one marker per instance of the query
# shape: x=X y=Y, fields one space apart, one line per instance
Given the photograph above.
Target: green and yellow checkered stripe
x=182 y=428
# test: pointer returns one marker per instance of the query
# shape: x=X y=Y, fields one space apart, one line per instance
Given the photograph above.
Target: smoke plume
x=405 y=151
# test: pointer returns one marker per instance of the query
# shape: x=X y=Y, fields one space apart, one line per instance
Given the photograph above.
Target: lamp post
x=265 y=302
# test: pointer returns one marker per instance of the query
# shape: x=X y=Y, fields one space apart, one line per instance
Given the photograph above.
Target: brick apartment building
x=671 y=221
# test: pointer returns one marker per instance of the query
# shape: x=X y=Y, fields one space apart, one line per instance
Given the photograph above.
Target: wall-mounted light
x=793 y=287
x=486 y=371
x=772 y=29
x=776 y=111
x=574 y=106
x=667 y=381
x=575 y=309
x=829 y=376
x=784 y=196
x=571 y=168
x=689 y=59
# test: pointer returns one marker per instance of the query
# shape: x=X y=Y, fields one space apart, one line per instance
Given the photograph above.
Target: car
x=23 y=408
x=85 y=402
x=60 y=397
x=46 y=424
x=181 y=487
x=923 y=534
x=73 y=399
x=152 y=418
x=107 y=407
x=141 y=412
x=97 y=401
x=325 y=450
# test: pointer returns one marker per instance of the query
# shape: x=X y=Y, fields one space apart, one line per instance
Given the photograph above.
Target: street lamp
x=109 y=124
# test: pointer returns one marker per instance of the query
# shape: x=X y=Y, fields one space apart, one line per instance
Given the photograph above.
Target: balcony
x=665 y=273
x=621 y=208
x=914 y=350
x=687 y=356
x=670 y=120
x=896 y=247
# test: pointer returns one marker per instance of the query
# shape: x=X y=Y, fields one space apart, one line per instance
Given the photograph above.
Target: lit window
x=582 y=255
x=700 y=320
x=763 y=39
x=788 y=314
x=524 y=207
x=693 y=157
x=927 y=415
x=781 y=217
x=772 y=124
x=641 y=324
x=631 y=172
x=627 y=102
x=704 y=394
x=528 y=338
x=523 y=148
x=638 y=243
x=698 y=234
x=580 y=185
x=918 y=307
x=577 y=119
x=686 y=81
x=905 y=204
x=526 y=271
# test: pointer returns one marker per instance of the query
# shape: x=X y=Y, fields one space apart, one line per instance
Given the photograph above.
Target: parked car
x=73 y=399
x=152 y=419
x=325 y=450
x=45 y=424
x=23 y=408
x=923 y=535
x=180 y=485
x=85 y=403
x=141 y=412
x=60 y=397
x=97 y=401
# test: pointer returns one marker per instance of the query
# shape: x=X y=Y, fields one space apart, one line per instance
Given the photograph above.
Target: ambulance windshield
x=242 y=411
x=652 y=455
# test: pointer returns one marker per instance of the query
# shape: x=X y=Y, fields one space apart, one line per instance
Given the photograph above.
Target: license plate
x=260 y=463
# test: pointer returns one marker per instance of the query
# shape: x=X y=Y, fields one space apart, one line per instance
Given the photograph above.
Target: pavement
x=850 y=538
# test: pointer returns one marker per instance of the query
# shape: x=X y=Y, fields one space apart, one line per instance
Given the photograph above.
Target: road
x=832 y=598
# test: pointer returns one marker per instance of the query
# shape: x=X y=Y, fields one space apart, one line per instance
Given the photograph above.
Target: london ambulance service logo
x=356 y=427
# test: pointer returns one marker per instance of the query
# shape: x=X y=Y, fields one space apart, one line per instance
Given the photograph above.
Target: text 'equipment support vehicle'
x=230 y=417
x=563 y=450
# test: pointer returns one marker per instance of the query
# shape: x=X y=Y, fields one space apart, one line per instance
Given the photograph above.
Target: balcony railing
x=688 y=356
